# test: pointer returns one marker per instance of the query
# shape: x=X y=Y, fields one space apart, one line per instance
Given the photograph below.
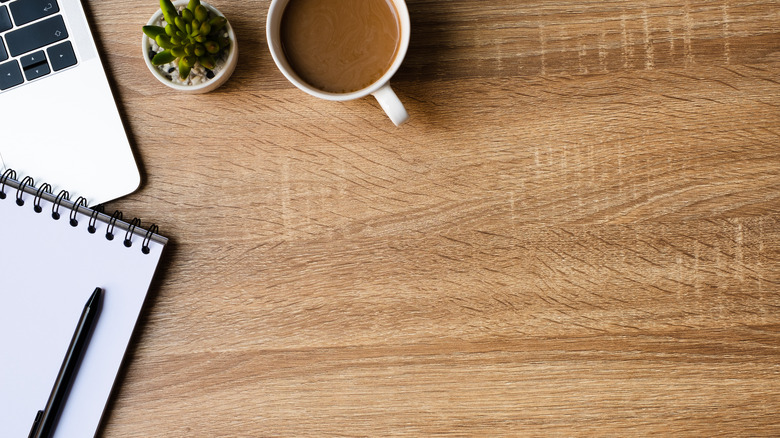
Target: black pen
x=45 y=419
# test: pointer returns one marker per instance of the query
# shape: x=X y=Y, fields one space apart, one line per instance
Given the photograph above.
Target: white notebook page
x=48 y=269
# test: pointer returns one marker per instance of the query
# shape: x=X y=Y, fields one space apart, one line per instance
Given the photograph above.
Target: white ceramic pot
x=204 y=87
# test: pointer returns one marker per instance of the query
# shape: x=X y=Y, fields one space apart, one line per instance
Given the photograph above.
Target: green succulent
x=192 y=36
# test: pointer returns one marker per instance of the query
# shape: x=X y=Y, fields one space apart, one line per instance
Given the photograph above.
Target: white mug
x=380 y=89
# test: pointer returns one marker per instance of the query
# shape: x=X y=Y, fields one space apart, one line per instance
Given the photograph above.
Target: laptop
x=59 y=123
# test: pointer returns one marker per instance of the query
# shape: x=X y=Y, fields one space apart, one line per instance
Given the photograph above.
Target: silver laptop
x=59 y=123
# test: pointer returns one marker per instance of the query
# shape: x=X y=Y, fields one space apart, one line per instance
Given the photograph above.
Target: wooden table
x=576 y=233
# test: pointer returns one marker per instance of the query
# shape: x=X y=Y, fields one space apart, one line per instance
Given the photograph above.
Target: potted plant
x=189 y=46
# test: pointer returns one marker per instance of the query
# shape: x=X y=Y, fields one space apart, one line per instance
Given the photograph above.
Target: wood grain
x=577 y=233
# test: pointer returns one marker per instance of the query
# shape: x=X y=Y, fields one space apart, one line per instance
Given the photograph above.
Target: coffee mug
x=379 y=88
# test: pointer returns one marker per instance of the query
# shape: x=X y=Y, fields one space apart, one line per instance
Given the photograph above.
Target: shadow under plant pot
x=205 y=55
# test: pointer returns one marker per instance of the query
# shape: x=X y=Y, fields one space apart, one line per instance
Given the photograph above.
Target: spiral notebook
x=53 y=253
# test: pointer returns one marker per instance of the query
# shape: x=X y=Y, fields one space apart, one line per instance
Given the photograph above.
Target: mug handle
x=391 y=104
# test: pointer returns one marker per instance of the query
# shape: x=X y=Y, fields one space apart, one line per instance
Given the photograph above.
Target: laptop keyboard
x=33 y=41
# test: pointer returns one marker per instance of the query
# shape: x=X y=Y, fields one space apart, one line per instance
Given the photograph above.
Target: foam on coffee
x=340 y=46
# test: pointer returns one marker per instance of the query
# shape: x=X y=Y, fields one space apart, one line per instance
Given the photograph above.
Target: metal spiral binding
x=63 y=195
x=133 y=224
x=93 y=218
x=111 y=223
x=10 y=173
x=62 y=200
x=19 y=190
x=45 y=187
x=148 y=238
x=80 y=201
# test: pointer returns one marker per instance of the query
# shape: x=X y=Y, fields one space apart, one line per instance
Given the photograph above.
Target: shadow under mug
x=380 y=89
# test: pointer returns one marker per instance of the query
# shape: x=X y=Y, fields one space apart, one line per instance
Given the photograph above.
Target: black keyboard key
x=34 y=65
x=36 y=71
x=10 y=75
x=3 y=53
x=36 y=35
x=61 y=56
x=5 y=19
x=25 y=11
x=32 y=59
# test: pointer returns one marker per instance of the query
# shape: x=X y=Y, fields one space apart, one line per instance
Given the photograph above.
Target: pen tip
x=95 y=298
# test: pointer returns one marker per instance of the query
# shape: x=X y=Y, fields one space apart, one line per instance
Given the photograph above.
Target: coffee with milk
x=340 y=46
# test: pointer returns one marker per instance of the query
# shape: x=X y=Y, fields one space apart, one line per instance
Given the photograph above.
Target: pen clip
x=36 y=424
